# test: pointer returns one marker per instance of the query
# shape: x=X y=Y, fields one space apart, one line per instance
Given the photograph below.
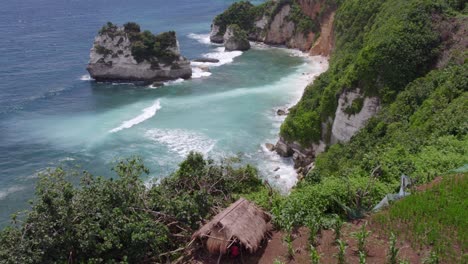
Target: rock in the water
x=235 y=39
x=283 y=149
x=118 y=55
x=209 y=60
x=216 y=36
x=281 y=112
x=270 y=146
x=276 y=169
x=204 y=68
x=157 y=84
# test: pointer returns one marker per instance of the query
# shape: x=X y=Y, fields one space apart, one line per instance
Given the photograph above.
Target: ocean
x=53 y=115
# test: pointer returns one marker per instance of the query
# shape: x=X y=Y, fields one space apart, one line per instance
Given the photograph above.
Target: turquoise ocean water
x=52 y=114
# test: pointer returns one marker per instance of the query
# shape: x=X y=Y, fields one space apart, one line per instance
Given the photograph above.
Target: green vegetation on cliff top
x=145 y=45
x=244 y=14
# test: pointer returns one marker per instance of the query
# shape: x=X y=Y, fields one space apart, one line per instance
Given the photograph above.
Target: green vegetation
x=144 y=45
x=118 y=219
x=102 y=50
x=132 y=27
x=241 y=13
x=435 y=218
x=423 y=133
x=393 y=250
x=108 y=28
x=355 y=107
x=304 y=24
x=361 y=237
x=380 y=47
x=341 y=255
x=239 y=33
x=314 y=255
x=244 y=14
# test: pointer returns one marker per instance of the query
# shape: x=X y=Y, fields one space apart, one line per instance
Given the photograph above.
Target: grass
x=436 y=218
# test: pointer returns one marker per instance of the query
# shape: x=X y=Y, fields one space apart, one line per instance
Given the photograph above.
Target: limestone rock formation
x=126 y=54
x=346 y=124
x=299 y=24
x=235 y=39
x=216 y=36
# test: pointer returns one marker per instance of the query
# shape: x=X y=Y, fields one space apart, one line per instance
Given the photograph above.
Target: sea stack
x=235 y=39
x=125 y=54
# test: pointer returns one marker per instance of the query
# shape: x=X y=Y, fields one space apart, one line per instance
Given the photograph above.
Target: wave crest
x=147 y=113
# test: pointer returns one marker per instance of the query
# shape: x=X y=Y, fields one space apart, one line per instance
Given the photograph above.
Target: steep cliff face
x=119 y=55
x=235 y=39
x=349 y=121
x=296 y=24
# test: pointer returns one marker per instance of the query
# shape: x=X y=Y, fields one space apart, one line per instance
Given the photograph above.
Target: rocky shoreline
x=275 y=23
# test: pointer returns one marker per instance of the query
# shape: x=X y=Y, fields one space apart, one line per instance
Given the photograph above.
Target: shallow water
x=52 y=114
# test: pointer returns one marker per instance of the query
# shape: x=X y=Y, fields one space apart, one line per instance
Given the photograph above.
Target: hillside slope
x=380 y=47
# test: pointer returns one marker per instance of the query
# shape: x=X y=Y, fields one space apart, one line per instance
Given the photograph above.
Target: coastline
x=280 y=171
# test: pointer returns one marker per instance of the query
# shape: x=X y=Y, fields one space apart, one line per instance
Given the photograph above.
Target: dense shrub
x=108 y=28
x=146 y=46
x=240 y=13
x=119 y=219
x=304 y=24
x=132 y=27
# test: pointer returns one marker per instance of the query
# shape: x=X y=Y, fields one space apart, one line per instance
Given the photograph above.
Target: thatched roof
x=242 y=221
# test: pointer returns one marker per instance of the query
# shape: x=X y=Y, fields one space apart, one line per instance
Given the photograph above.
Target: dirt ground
x=276 y=249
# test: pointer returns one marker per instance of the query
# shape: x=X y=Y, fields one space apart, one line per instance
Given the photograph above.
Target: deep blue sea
x=52 y=114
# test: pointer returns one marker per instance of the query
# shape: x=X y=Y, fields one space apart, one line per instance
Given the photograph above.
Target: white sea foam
x=86 y=77
x=182 y=141
x=173 y=82
x=199 y=73
x=7 y=191
x=202 y=38
x=219 y=53
x=286 y=177
x=147 y=113
x=283 y=178
x=67 y=159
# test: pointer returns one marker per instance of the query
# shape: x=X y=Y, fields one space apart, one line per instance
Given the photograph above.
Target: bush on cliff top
x=149 y=47
x=240 y=13
x=118 y=219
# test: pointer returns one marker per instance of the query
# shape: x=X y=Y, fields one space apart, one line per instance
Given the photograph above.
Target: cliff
x=127 y=54
x=235 y=39
x=379 y=47
x=306 y=25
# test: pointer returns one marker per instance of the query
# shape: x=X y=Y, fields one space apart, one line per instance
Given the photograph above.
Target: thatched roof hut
x=242 y=222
